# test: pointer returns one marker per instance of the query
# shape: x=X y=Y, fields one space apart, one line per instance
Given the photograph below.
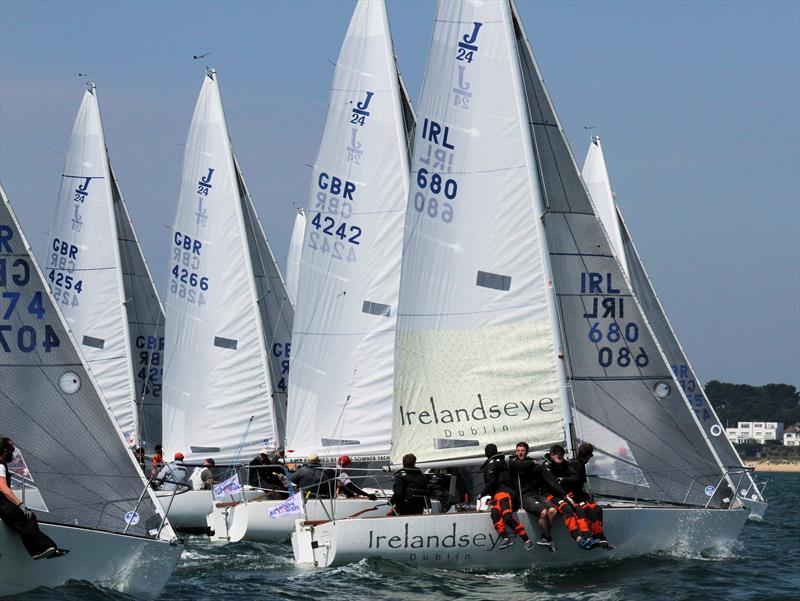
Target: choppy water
x=765 y=564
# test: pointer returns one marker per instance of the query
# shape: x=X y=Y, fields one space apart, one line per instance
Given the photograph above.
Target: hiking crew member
x=346 y=486
x=584 y=499
x=174 y=475
x=313 y=479
x=410 y=489
x=18 y=517
x=527 y=474
x=264 y=472
x=497 y=485
x=559 y=478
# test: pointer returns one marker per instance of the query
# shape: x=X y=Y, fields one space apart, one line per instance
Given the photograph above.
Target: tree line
x=744 y=403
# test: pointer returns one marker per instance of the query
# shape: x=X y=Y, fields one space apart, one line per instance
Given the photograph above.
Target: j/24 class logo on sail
x=468 y=46
x=360 y=112
x=612 y=335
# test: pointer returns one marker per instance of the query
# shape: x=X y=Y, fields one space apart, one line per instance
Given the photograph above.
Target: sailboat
x=349 y=277
x=516 y=322
x=295 y=250
x=72 y=464
x=97 y=273
x=229 y=316
x=595 y=175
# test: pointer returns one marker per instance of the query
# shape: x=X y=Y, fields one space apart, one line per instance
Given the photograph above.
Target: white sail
x=295 y=251
x=83 y=266
x=217 y=389
x=476 y=352
x=343 y=337
x=596 y=179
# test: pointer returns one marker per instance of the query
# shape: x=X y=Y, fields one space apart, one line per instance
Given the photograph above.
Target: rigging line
x=670 y=444
x=76 y=459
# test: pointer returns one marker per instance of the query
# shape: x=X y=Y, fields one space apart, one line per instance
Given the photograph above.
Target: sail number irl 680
x=431 y=187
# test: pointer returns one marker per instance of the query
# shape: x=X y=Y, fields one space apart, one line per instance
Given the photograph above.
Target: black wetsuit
x=498 y=484
x=527 y=474
x=410 y=491
x=559 y=480
x=34 y=540
x=315 y=480
x=584 y=499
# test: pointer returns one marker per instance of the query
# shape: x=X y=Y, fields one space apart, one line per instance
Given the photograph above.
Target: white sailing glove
x=484 y=503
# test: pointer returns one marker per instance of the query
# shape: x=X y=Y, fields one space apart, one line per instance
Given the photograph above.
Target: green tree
x=742 y=402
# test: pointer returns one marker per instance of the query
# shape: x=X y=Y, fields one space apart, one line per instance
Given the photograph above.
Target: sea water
x=764 y=564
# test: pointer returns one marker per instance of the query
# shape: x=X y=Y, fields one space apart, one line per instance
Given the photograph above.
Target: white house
x=791 y=437
x=759 y=432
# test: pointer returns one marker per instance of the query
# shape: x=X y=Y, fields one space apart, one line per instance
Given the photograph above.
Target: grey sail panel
x=274 y=304
x=145 y=323
x=51 y=407
x=622 y=388
x=643 y=288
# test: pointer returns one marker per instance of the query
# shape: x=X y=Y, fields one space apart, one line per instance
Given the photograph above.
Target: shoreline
x=770 y=466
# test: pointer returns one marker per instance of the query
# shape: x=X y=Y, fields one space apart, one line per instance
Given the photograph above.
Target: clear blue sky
x=697 y=103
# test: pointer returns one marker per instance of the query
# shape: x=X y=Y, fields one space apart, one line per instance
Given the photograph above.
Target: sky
x=697 y=105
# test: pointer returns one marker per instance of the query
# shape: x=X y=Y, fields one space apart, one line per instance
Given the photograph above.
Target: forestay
x=477 y=359
x=594 y=170
x=83 y=266
x=626 y=401
x=217 y=385
x=343 y=338
x=78 y=468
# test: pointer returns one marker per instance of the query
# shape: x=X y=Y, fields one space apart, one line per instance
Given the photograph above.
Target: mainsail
x=84 y=267
x=76 y=462
x=477 y=356
x=222 y=389
x=596 y=177
x=343 y=337
x=625 y=399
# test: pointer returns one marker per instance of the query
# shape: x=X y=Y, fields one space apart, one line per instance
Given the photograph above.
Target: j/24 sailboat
x=517 y=322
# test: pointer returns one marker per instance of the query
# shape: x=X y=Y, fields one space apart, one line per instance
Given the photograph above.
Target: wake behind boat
x=91 y=498
x=517 y=322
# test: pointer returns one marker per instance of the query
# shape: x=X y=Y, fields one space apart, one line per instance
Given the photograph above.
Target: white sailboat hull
x=467 y=540
x=757 y=508
x=135 y=566
x=187 y=510
x=251 y=521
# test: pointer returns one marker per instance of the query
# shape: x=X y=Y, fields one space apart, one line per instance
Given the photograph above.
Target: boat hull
x=467 y=540
x=135 y=566
x=187 y=510
x=251 y=521
x=757 y=508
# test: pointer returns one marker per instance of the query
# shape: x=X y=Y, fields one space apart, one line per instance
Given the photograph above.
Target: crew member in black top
x=498 y=486
x=315 y=480
x=526 y=474
x=18 y=517
x=410 y=489
x=559 y=478
x=584 y=499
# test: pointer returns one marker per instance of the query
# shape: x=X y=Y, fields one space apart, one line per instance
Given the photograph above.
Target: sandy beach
x=769 y=466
